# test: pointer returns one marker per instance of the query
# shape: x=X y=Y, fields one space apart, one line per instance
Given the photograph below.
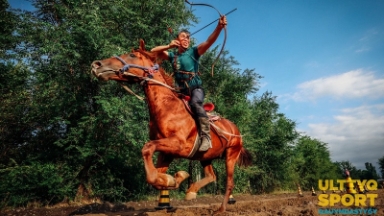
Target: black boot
x=205 y=142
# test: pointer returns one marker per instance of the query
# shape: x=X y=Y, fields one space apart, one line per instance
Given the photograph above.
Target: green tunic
x=186 y=68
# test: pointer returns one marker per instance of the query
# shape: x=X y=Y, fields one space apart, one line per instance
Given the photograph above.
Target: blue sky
x=324 y=60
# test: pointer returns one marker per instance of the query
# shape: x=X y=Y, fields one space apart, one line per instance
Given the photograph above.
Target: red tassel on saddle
x=208 y=107
x=187 y=98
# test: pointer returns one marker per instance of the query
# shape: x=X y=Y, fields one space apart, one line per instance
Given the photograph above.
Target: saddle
x=208 y=107
x=212 y=116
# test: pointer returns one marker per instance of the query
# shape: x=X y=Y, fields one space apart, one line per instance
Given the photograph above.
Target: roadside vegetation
x=66 y=136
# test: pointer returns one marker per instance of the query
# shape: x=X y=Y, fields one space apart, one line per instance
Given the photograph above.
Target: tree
x=369 y=172
x=8 y=23
x=381 y=166
x=353 y=171
x=15 y=127
x=66 y=135
x=84 y=136
x=270 y=136
x=312 y=162
x=229 y=89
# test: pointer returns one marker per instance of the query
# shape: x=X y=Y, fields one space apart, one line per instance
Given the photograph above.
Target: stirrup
x=205 y=146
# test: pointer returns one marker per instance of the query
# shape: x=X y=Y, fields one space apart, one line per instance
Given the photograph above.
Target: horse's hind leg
x=209 y=176
x=231 y=157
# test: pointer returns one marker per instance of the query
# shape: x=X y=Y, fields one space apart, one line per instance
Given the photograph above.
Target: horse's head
x=128 y=67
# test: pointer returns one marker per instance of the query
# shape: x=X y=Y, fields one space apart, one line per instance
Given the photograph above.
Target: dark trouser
x=196 y=102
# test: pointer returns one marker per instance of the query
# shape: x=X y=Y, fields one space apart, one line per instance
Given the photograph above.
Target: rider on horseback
x=186 y=67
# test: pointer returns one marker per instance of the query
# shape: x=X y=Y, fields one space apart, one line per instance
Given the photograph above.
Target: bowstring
x=184 y=51
x=197 y=61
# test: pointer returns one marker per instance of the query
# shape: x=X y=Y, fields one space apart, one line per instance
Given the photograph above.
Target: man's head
x=184 y=38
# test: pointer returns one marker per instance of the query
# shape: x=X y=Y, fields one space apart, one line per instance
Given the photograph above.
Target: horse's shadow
x=106 y=208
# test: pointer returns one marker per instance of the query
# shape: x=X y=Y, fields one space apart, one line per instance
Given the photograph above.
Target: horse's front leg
x=157 y=177
x=163 y=162
x=162 y=165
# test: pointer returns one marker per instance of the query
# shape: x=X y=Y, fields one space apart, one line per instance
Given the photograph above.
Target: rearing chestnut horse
x=173 y=131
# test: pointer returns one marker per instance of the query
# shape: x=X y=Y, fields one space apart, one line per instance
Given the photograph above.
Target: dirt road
x=252 y=205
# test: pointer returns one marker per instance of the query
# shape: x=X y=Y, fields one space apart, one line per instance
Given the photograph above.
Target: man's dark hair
x=183 y=30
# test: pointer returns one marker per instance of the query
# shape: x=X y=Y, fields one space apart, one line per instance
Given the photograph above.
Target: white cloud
x=353 y=84
x=369 y=35
x=367 y=41
x=357 y=135
x=362 y=49
x=262 y=84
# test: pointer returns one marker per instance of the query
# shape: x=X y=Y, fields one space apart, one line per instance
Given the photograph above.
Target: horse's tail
x=245 y=158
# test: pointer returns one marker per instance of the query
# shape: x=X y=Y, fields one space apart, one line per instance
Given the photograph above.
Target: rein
x=150 y=70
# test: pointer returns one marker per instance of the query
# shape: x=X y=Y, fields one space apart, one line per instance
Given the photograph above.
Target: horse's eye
x=132 y=55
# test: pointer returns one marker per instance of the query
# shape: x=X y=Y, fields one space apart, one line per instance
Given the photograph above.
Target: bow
x=225 y=31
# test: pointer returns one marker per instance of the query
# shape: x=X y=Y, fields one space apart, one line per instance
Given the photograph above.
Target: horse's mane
x=153 y=56
x=168 y=78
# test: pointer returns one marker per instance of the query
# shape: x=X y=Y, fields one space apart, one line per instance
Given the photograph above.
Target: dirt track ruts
x=253 y=205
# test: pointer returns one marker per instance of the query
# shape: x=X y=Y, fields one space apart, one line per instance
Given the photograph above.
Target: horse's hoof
x=218 y=212
x=170 y=181
x=190 y=196
x=181 y=176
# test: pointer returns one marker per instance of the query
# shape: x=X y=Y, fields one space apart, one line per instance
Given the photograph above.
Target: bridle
x=149 y=71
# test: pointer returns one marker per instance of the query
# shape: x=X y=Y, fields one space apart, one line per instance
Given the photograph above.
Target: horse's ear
x=142 y=44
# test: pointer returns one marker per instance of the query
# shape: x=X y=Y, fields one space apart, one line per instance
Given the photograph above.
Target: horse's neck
x=165 y=109
x=160 y=99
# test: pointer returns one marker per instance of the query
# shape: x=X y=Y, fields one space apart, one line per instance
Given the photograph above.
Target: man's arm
x=163 y=49
x=160 y=48
x=203 y=47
